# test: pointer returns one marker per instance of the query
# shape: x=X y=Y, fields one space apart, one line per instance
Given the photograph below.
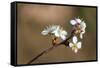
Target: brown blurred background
x=32 y=19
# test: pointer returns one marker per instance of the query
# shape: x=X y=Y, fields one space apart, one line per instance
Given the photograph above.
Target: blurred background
x=33 y=18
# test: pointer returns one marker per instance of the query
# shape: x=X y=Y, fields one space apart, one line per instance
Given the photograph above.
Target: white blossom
x=75 y=45
x=56 y=30
x=81 y=23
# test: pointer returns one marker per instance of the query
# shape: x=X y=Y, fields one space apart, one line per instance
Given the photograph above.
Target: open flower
x=49 y=29
x=79 y=25
x=55 y=30
x=75 y=45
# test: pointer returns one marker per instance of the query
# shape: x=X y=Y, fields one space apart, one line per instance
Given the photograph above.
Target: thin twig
x=66 y=42
x=45 y=51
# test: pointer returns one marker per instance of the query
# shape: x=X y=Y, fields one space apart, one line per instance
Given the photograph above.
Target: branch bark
x=66 y=42
x=45 y=51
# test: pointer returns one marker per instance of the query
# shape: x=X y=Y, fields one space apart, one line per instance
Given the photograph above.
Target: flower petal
x=56 y=33
x=78 y=20
x=81 y=34
x=74 y=39
x=73 y=22
x=79 y=45
x=57 y=27
x=75 y=50
x=63 y=37
x=83 y=25
x=63 y=32
x=70 y=44
x=52 y=28
x=44 y=32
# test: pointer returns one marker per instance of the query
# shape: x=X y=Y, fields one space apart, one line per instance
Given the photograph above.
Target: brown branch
x=45 y=51
x=66 y=42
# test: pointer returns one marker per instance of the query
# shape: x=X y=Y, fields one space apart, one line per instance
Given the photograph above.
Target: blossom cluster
x=78 y=29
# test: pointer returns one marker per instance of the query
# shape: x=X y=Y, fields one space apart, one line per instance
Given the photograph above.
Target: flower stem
x=45 y=51
x=65 y=42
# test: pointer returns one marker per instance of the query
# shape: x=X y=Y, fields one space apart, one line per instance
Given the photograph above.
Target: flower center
x=54 y=41
x=74 y=46
x=78 y=29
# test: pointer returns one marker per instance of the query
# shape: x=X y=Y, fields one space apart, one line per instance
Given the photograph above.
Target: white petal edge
x=74 y=39
x=73 y=22
x=58 y=27
x=63 y=37
x=75 y=50
x=63 y=32
x=81 y=35
x=45 y=32
x=56 y=33
x=78 y=20
x=70 y=44
x=83 y=25
x=79 y=45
